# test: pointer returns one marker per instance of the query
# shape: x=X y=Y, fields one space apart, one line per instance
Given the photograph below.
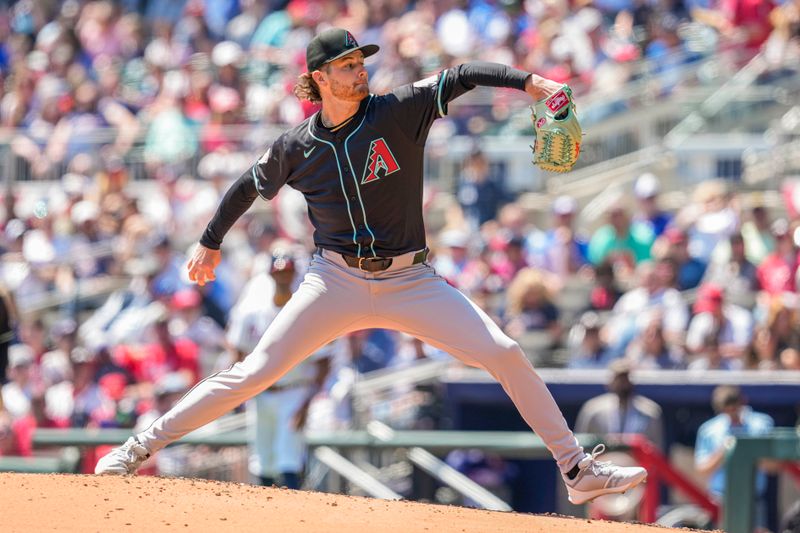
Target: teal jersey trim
x=355 y=180
x=442 y=112
x=255 y=182
x=341 y=182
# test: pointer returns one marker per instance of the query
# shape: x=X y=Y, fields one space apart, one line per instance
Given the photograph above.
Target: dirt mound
x=35 y=502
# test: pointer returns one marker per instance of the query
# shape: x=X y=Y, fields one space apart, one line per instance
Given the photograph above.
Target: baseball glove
x=557 y=132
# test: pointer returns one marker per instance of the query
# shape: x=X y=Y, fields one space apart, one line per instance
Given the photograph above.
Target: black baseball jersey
x=362 y=183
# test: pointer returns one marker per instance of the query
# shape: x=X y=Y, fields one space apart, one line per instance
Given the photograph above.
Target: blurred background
x=664 y=266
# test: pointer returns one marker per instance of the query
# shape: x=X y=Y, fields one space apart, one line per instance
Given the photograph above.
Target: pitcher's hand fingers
x=199 y=275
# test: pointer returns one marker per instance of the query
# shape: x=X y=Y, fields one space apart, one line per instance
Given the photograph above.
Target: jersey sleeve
x=272 y=170
x=417 y=105
x=263 y=179
x=706 y=444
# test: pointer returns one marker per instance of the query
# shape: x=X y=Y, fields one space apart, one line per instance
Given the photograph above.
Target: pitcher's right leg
x=326 y=305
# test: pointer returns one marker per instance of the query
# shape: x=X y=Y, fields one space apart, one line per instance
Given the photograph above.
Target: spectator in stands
x=128 y=311
x=785 y=38
x=148 y=362
x=453 y=257
x=18 y=393
x=560 y=249
x=591 y=351
x=667 y=271
x=738 y=21
x=16 y=435
x=169 y=265
x=761 y=355
x=717 y=436
x=220 y=133
x=646 y=189
x=605 y=293
x=620 y=411
x=738 y=275
x=637 y=308
x=482 y=278
x=92 y=404
x=479 y=192
x=708 y=356
x=651 y=351
x=189 y=321
x=709 y=219
x=623 y=243
x=33 y=333
x=777 y=273
x=759 y=241
x=170 y=137
x=780 y=331
x=510 y=258
x=530 y=310
x=8 y=323
x=513 y=221
x=728 y=325
x=790 y=359
x=690 y=271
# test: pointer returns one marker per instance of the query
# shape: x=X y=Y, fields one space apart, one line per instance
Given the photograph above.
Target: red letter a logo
x=379 y=158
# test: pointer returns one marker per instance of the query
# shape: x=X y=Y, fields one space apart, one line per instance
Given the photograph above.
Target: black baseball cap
x=332 y=44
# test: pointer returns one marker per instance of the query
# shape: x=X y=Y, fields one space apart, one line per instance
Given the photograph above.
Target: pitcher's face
x=346 y=78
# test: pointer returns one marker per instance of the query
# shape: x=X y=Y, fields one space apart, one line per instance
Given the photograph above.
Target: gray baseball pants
x=335 y=299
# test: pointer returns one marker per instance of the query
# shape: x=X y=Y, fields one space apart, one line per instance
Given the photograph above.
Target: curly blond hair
x=527 y=280
x=307 y=89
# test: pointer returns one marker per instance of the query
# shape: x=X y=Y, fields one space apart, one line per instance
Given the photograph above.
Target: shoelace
x=135 y=452
x=599 y=468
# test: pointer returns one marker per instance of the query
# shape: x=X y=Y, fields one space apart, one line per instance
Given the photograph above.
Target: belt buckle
x=370 y=260
x=361 y=263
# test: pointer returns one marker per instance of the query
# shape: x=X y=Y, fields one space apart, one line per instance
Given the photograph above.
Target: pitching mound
x=32 y=502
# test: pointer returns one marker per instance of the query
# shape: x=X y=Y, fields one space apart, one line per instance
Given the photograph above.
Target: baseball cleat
x=596 y=478
x=125 y=459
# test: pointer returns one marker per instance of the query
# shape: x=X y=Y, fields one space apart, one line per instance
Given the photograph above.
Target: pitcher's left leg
x=425 y=306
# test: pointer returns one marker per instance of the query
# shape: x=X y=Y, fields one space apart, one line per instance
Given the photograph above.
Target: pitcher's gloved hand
x=557 y=132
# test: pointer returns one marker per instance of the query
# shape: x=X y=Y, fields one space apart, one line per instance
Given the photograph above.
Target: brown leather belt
x=379 y=264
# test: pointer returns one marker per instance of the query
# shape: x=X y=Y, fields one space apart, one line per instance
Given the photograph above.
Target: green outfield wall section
x=740 y=482
x=517 y=444
x=66 y=462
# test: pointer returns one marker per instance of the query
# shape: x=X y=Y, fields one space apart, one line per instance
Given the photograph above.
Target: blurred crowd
x=202 y=74
x=713 y=285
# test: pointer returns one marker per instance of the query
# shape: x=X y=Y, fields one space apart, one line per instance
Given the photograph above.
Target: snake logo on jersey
x=380 y=158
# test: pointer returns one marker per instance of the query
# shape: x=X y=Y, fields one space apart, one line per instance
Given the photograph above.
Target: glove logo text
x=557 y=101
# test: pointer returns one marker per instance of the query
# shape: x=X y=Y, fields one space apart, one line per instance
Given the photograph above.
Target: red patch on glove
x=557 y=101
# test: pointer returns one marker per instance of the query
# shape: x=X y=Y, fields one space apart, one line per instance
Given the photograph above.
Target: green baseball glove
x=557 y=132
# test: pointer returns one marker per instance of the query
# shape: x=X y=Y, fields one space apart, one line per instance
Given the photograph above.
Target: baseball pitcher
x=358 y=162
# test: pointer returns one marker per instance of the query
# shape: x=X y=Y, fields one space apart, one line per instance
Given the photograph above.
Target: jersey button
x=361 y=226
x=346 y=170
x=353 y=198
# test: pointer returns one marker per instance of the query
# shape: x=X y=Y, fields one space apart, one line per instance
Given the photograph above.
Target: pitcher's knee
x=510 y=353
x=260 y=370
